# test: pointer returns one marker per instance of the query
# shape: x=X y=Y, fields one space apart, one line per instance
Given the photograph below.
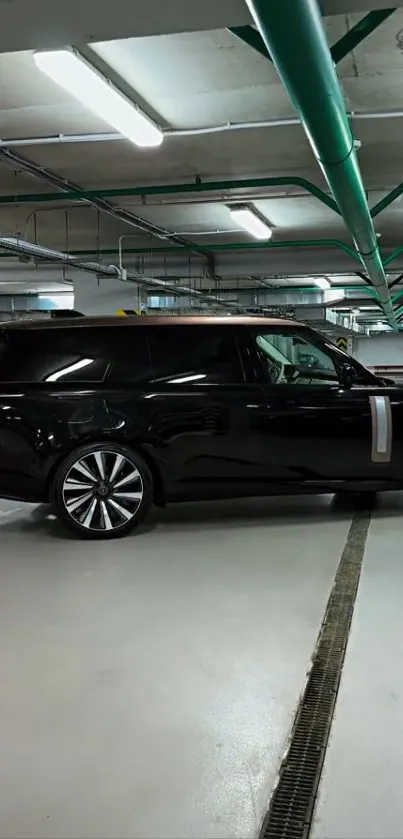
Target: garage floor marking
x=292 y=805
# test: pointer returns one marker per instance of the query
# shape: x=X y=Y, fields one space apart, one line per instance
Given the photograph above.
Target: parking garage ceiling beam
x=293 y=34
x=250 y=36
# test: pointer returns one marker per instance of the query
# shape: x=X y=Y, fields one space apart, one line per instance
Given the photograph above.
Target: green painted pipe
x=295 y=38
x=339 y=50
x=392 y=196
x=227 y=246
x=359 y=32
x=393 y=256
x=171 y=189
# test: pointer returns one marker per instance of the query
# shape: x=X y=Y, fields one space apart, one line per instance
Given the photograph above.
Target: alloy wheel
x=102 y=491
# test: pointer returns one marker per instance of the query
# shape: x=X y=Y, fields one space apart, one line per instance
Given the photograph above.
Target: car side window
x=288 y=357
x=130 y=356
x=199 y=355
x=53 y=355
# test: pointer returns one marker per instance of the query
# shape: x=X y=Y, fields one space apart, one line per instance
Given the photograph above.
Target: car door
x=312 y=427
x=198 y=405
x=180 y=391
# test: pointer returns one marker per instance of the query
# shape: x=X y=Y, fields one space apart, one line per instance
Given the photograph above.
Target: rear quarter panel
x=39 y=427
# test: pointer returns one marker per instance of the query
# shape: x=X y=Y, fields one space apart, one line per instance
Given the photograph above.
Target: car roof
x=146 y=320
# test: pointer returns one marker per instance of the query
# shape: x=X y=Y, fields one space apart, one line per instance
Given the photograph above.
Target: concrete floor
x=362 y=782
x=148 y=685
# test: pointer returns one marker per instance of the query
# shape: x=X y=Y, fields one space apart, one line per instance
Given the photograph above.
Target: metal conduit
x=294 y=35
x=225 y=127
x=21 y=164
x=20 y=246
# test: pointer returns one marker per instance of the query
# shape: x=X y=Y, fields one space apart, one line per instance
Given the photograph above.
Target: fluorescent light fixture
x=69 y=70
x=322 y=283
x=251 y=222
x=84 y=362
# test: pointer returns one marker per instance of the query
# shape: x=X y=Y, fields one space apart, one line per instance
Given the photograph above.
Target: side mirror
x=348 y=374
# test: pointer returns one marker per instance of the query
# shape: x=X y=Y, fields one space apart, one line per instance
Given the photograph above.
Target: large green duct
x=294 y=35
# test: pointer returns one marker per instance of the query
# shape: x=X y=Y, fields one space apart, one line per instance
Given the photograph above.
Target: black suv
x=104 y=417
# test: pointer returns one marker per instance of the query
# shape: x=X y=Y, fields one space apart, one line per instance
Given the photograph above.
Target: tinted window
x=288 y=357
x=195 y=354
x=130 y=355
x=53 y=355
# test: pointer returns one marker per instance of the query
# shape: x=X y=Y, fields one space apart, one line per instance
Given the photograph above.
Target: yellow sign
x=341 y=343
x=123 y=313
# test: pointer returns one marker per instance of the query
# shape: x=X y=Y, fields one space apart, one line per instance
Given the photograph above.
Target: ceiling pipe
x=108 y=137
x=294 y=35
x=112 y=136
x=21 y=164
x=197 y=186
x=21 y=246
x=228 y=246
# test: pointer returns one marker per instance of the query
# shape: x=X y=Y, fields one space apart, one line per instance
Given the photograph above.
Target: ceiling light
x=81 y=80
x=322 y=283
x=251 y=222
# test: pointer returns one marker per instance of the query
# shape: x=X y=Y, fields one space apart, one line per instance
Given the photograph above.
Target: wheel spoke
x=71 y=484
x=81 y=467
x=133 y=496
x=124 y=514
x=90 y=514
x=99 y=459
x=116 y=467
x=128 y=479
x=105 y=517
x=78 y=502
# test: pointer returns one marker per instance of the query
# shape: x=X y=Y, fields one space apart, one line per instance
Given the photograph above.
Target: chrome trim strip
x=382 y=431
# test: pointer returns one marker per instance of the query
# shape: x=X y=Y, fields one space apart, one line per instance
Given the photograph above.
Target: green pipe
x=294 y=35
x=393 y=256
x=339 y=50
x=171 y=189
x=358 y=33
x=234 y=246
x=387 y=200
x=249 y=36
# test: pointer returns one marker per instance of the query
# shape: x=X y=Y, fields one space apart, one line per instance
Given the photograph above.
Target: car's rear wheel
x=102 y=491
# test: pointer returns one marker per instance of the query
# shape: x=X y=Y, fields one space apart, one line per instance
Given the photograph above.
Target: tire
x=102 y=491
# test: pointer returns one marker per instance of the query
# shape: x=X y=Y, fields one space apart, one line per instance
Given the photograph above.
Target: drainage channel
x=292 y=805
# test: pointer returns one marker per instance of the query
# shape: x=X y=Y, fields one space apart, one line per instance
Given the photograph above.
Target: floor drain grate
x=292 y=804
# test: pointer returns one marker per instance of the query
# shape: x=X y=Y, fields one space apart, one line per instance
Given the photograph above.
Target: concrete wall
x=379 y=350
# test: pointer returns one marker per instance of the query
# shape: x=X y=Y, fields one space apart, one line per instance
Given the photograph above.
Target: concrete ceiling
x=33 y=24
x=180 y=63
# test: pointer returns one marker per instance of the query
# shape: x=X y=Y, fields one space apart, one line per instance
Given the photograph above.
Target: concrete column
x=104 y=295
